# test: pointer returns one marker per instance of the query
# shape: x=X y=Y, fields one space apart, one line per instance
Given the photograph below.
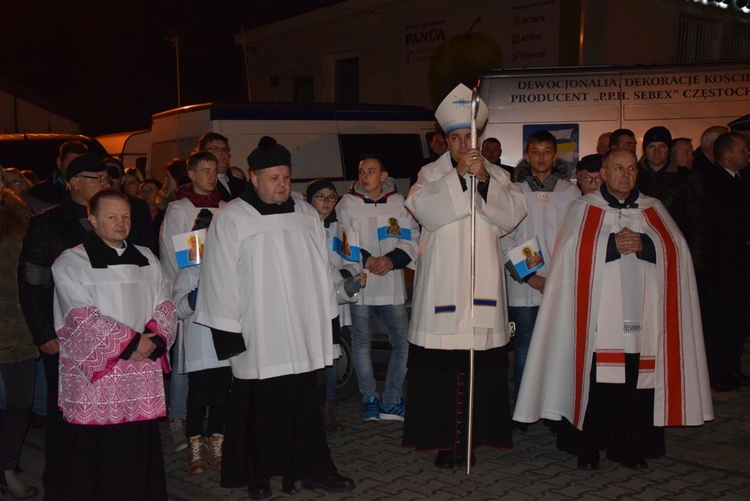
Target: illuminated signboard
x=742 y=6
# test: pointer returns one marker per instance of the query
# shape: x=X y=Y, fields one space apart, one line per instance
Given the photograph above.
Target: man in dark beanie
x=587 y=173
x=268 y=297
x=677 y=188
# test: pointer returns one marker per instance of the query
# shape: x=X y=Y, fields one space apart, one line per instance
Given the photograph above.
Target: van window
x=401 y=153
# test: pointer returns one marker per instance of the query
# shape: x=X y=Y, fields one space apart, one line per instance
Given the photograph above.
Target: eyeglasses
x=219 y=149
x=98 y=179
x=323 y=198
x=592 y=180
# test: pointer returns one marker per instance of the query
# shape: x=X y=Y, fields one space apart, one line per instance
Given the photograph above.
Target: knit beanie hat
x=657 y=134
x=317 y=185
x=269 y=153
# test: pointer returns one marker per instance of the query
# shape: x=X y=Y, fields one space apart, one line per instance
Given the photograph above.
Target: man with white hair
x=703 y=156
x=617 y=353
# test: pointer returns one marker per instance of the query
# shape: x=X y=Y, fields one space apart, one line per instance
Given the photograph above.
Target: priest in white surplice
x=617 y=352
x=267 y=294
x=443 y=329
x=115 y=323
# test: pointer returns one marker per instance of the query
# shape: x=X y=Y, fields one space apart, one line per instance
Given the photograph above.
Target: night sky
x=109 y=65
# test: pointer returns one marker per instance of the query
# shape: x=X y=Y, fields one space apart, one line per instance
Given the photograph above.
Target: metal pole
x=474 y=112
x=177 y=57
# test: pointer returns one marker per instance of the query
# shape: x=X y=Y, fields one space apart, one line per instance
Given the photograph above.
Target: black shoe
x=588 y=461
x=445 y=460
x=725 y=384
x=552 y=425
x=461 y=462
x=633 y=463
x=743 y=379
x=259 y=489
x=332 y=483
x=522 y=427
x=37 y=421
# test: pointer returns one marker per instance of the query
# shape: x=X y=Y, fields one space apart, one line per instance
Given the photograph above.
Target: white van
x=130 y=147
x=326 y=140
x=578 y=104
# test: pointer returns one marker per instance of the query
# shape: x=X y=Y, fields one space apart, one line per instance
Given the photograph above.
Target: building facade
x=413 y=51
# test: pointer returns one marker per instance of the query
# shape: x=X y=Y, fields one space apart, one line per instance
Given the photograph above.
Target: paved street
x=708 y=462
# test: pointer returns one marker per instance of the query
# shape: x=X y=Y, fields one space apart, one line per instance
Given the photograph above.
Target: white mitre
x=455 y=111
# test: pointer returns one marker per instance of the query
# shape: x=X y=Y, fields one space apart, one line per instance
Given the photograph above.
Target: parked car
x=38 y=152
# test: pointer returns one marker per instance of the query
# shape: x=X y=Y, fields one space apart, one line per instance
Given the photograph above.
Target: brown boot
x=215 y=446
x=330 y=417
x=196 y=455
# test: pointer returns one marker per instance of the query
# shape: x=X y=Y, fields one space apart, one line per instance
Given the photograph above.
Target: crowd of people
x=234 y=288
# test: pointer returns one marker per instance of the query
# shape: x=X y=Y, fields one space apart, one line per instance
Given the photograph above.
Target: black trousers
x=437 y=400
x=208 y=389
x=726 y=319
x=619 y=418
x=274 y=427
x=54 y=432
x=117 y=462
x=19 y=395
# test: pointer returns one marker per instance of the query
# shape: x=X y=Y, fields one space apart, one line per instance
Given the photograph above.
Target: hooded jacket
x=371 y=220
x=15 y=339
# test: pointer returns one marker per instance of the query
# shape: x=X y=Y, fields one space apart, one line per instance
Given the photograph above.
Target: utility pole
x=175 y=42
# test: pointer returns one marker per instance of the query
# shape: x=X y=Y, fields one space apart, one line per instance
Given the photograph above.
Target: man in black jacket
x=725 y=281
x=50 y=233
x=677 y=188
x=703 y=157
x=52 y=190
x=230 y=187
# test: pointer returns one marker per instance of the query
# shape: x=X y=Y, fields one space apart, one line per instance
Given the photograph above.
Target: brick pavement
x=707 y=462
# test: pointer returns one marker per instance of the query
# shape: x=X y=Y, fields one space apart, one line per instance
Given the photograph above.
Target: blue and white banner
x=346 y=244
x=188 y=248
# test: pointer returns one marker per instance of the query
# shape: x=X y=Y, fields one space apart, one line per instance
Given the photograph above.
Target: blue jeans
x=396 y=321
x=331 y=380
x=525 y=317
x=40 y=390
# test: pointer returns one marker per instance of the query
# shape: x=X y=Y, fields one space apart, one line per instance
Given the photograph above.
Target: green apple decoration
x=460 y=59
